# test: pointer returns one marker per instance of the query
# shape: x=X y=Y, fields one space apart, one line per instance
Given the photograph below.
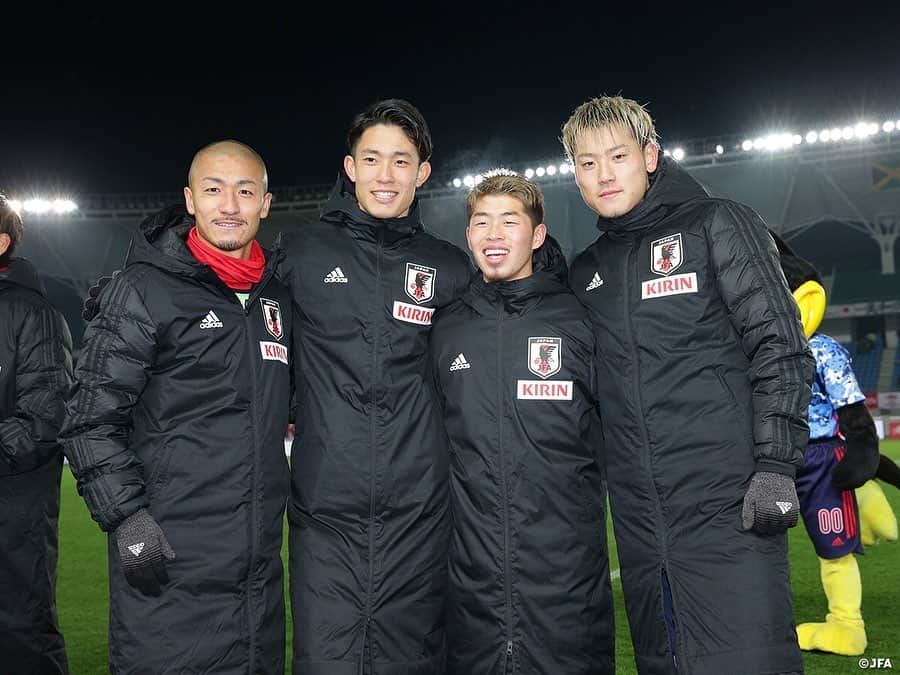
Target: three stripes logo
x=784 y=506
x=211 y=321
x=460 y=363
x=335 y=276
x=596 y=282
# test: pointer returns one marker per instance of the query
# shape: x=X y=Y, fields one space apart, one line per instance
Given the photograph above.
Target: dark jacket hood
x=516 y=297
x=670 y=187
x=161 y=241
x=342 y=206
x=21 y=272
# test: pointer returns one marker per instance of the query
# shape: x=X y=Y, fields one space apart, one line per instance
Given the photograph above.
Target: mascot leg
x=843 y=631
x=877 y=521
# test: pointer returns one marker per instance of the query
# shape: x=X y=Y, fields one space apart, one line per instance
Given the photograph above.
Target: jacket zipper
x=372 y=438
x=636 y=388
x=248 y=322
x=505 y=488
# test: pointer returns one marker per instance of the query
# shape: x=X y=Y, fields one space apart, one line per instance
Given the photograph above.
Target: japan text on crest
x=420 y=282
x=666 y=254
x=544 y=358
x=272 y=318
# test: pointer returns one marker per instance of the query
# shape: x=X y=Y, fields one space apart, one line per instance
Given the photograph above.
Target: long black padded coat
x=368 y=511
x=529 y=574
x=180 y=407
x=703 y=379
x=35 y=376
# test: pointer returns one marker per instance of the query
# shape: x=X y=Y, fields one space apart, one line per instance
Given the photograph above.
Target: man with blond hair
x=513 y=362
x=175 y=430
x=703 y=379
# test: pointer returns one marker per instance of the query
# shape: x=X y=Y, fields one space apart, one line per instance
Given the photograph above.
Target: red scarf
x=236 y=273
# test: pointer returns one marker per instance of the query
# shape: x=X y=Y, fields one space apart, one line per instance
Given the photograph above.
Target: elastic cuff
x=774 y=466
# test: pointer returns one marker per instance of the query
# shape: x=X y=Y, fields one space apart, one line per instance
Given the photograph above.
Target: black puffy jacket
x=368 y=513
x=35 y=376
x=703 y=379
x=180 y=407
x=529 y=573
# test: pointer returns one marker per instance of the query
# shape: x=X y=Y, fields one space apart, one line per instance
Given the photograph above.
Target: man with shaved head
x=175 y=427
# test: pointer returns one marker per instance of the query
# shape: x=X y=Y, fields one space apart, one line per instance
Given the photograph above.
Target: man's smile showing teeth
x=495 y=254
x=384 y=196
x=228 y=223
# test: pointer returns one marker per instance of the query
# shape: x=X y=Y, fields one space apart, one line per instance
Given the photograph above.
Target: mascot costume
x=842 y=507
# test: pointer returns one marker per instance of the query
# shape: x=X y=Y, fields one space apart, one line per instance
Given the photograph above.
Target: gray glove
x=143 y=550
x=771 y=505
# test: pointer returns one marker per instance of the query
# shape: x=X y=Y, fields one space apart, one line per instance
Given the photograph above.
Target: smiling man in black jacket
x=368 y=512
x=513 y=361
x=35 y=376
x=704 y=378
x=175 y=430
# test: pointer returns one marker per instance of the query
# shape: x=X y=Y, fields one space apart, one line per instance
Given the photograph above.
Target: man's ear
x=350 y=168
x=189 y=201
x=651 y=156
x=538 y=236
x=424 y=173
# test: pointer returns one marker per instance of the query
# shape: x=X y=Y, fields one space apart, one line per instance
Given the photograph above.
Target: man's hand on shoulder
x=91 y=306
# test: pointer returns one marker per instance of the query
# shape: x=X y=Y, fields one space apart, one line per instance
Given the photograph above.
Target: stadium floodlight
x=38 y=205
x=666 y=152
x=759 y=143
x=747 y=145
x=480 y=177
x=825 y=135
x=872 y=128
x=678 y=154
x=719 y=149
x=564 y=168
x=469 y=181
x=551 y=170
x=539 y=172
x=847 y=133
x=796 y=139
x=836 y=134
x=457 y=182
x=64 y=206
x=888 y=126
x=529 y=173
x=811 y=137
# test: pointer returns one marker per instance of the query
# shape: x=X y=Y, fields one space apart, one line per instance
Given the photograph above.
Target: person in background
x=35 y=376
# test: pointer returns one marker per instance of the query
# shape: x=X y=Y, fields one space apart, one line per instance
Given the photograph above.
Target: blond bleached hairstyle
x=606 y=111
x=502 y=182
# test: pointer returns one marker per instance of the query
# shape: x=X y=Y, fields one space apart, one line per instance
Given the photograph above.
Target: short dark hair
x=11 y=224
x=393 y=112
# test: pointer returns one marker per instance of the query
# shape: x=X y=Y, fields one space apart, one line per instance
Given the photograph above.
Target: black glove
x=143 y=550
x=860 y=461
x=91 y=306
x=771 y=505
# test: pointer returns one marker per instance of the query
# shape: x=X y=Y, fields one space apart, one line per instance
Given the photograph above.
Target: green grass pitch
x=82 y=596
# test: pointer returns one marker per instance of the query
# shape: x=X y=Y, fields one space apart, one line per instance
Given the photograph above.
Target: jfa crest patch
x=272 y=318
x=544 y=358
x=420 y=282
x=666 y=254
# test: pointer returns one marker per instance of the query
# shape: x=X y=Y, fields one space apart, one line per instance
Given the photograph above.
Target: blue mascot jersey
x=834 y=387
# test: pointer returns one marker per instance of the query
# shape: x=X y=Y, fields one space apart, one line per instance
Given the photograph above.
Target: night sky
x=96 y=103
